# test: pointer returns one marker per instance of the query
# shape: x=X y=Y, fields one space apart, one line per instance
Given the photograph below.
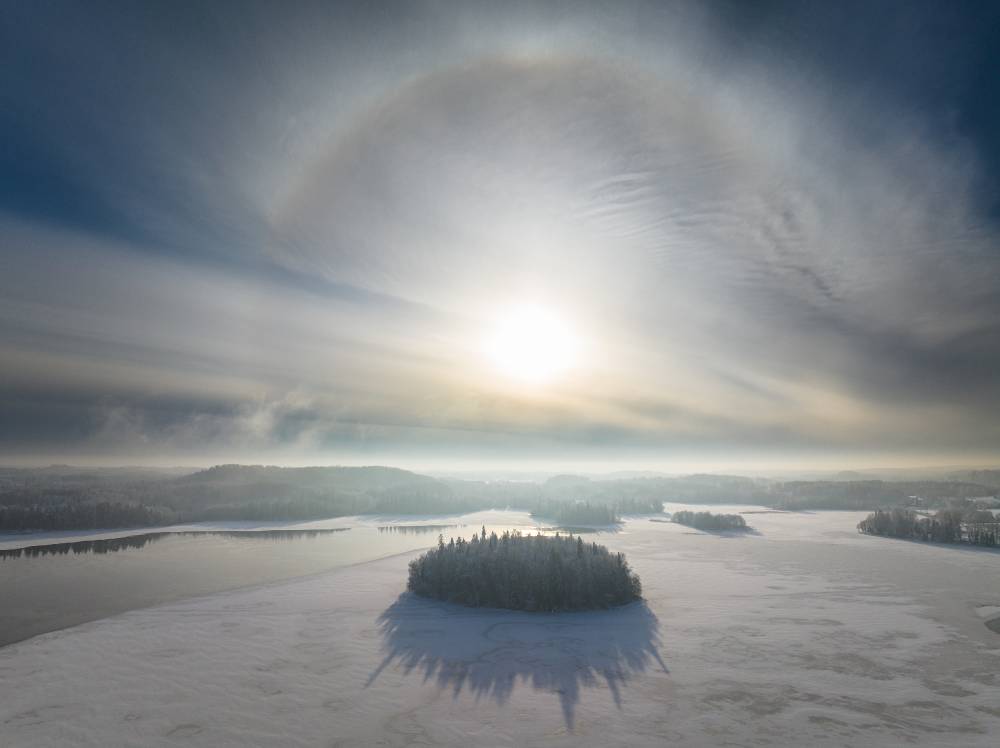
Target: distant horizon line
x=529 y=470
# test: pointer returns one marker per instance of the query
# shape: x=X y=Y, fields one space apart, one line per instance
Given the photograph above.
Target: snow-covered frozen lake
x=49 y=581
x=803 y=633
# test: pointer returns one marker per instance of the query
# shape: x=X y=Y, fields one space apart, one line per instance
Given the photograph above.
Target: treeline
x=56 y=499
x=711 y=489
x=873 y=494
x=637 y=505
x=113 y=545
x=63 y=498
x=82 y=516
x=709 y=521
x=101 y=546
x=59 y=498
x=524 y=572
x=946 y=526
x=576 y=513
x=807 y=494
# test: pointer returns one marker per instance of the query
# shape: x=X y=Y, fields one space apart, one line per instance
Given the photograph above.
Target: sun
x=531 y=344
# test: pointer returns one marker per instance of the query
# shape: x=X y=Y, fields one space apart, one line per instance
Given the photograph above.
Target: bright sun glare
x=532 y=344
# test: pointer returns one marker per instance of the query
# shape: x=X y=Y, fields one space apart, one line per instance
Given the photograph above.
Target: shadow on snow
x=488 y=652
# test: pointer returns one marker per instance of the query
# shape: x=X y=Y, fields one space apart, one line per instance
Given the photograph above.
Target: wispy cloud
x=300 y=251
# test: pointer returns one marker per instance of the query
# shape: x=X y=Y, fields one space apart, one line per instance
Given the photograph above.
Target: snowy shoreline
x=28 y=539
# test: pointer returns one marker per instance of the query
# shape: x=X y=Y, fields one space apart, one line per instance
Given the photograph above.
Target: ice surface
x=475 y=519
x=804 y=634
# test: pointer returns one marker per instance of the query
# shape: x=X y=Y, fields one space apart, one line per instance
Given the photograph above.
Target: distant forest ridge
x=62 y=497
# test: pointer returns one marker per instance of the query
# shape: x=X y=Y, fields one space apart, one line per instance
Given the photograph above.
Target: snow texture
x=805 y=633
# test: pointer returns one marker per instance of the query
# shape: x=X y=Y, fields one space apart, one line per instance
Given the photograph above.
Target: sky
x=431 y=234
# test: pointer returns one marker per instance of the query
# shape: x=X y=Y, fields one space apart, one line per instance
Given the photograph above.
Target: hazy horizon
x=538 y=470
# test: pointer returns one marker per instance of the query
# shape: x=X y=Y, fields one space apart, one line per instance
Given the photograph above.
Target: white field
x=806 y=634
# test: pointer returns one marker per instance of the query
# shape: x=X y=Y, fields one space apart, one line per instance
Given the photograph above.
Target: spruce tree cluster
x=946 y=526
x=524 y=572
x=709 y=521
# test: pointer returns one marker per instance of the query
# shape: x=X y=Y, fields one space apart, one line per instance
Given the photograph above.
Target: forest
x=65 y=497
x=61 y=498
x=975 y=527
x=524 y=572
x=709 y=521
x=576 y=512
x=82 y=516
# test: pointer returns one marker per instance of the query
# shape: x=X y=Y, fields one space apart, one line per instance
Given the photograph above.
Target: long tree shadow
x=489 y=652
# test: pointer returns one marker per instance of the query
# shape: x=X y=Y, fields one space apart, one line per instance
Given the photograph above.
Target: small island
x=525 y=572
x=709 y=521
